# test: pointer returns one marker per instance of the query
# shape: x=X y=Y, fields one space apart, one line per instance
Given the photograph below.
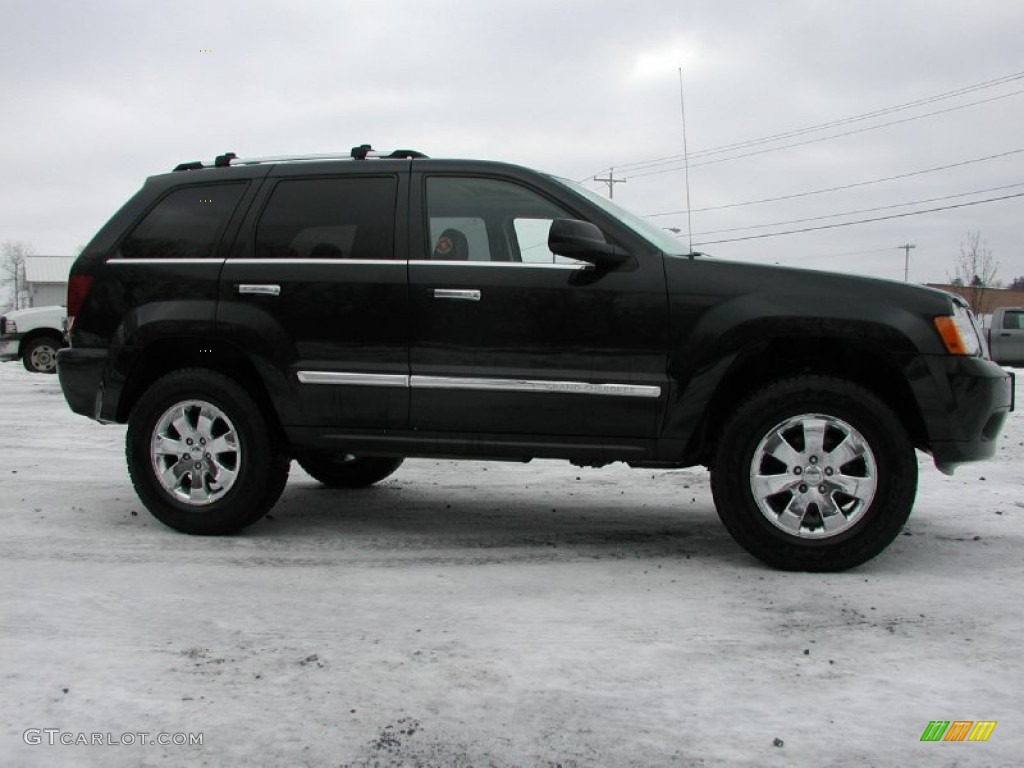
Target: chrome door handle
x=457 y=294
x=261 y=289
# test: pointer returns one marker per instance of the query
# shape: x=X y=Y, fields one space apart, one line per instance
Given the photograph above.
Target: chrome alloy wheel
x=813 y=476
x=195 y=452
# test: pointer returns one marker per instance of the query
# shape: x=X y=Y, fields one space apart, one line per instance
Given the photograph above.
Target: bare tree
x=975 y=270
x=12 y=272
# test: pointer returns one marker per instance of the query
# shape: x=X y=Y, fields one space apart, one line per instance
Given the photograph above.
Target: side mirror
x=584 y=241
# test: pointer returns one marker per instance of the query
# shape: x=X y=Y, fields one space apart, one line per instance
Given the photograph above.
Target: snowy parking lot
x=473 y=614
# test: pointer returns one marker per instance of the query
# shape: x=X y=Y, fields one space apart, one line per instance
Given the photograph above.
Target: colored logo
x=958 y=730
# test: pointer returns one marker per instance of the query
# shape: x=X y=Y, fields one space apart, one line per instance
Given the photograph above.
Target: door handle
x=262 y=289
x=457 y=294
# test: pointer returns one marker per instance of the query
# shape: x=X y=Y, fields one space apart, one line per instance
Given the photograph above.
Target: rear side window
x=187 y=223
x=350 y=218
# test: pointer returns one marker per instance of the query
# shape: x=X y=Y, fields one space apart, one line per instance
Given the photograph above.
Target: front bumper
x=81 y=379
x=964 y=404
x=9 y=348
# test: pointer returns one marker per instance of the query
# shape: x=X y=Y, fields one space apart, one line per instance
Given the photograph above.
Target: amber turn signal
x=950 y=334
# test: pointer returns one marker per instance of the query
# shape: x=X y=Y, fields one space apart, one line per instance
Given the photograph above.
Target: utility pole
x=906 y=248
x=611 y=181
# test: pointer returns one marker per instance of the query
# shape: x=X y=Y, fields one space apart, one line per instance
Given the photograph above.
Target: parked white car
x=33 y=336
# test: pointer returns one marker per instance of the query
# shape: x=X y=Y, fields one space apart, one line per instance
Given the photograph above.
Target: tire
x=343 y=470
x=40 y=355
x=213 y=492
x=802 y=503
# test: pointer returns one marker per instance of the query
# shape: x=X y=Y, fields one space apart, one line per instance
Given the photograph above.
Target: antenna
x=686 y=162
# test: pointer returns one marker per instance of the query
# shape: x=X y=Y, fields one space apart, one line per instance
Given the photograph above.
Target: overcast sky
x=98 y=95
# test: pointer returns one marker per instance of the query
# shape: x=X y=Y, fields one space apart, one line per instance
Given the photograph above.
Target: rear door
x=506 y=338
x=314 y=294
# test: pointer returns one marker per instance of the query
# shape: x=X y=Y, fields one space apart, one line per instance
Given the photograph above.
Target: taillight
x=78 y=289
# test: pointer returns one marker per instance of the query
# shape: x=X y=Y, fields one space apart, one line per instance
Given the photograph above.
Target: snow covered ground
x=471 y=614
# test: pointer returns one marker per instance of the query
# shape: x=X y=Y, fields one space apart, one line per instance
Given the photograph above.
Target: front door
x=507 y=339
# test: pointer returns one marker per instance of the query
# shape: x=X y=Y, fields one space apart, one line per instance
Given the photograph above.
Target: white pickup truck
x=33 y=336
x=1005 y=330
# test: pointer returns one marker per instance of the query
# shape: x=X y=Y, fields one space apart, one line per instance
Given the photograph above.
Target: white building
x=46 y=278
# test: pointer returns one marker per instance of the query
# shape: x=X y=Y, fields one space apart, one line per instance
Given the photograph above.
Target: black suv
x=349 y=312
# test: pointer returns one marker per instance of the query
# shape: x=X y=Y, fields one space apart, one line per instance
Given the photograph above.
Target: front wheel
x=40 y=355
x=201 y=455
x=343 y=470
x=814 y=473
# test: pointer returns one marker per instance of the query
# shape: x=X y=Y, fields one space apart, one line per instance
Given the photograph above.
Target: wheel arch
x=757 y=366
x=40 y=333
x=167 y=355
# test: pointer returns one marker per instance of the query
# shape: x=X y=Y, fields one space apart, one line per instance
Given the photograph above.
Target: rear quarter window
x=187 y=223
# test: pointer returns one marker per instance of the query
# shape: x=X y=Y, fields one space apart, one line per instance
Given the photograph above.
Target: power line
x=644 y=164
x=826 y=138
x=845 y=186
x=859 y=211
x=861 y=221
x=866 y=116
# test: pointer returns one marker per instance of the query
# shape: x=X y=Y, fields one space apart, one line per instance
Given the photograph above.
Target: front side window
x=187 y=223
x=349 y=218
x=478 y=219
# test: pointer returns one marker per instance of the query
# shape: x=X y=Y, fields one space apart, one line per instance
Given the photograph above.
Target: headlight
x=959 y=332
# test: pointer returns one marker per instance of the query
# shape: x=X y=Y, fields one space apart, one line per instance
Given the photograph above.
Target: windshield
x=658 y=237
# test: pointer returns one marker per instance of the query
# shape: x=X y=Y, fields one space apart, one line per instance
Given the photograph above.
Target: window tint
x=351 y=218
x=447 y=245
x=472 y=219
x=1013 y=320
x=185 y=224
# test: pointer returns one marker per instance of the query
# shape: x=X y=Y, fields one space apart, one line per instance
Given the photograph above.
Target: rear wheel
x=201 y=456
x=814 y=473
x=343 y=470
x=40 y=355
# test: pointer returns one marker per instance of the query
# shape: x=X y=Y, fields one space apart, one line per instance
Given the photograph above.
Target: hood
x=711 y=279
x=38 y=314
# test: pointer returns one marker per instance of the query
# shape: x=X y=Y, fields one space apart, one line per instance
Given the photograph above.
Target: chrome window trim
x=515 y=264
x=116 y=261
x=248 y=261
x=354 y=379
x=395 y=262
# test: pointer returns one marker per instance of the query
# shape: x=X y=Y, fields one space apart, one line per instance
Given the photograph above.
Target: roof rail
x=361 y=152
